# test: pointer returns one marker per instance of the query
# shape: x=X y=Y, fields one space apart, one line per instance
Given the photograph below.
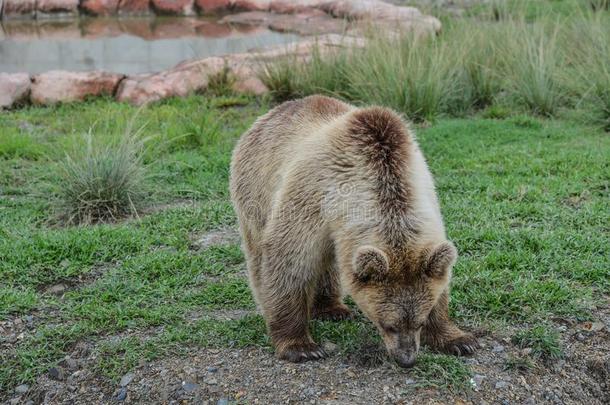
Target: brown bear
x=331 y=200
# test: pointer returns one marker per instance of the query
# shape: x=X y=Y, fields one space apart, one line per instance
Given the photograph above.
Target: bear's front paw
x=463 y=345
x=334 y=313
x=300 y=352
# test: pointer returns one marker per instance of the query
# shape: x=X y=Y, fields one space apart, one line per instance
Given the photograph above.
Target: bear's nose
x=406 y=360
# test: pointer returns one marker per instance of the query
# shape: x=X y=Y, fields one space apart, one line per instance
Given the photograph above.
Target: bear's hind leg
x=440 y=333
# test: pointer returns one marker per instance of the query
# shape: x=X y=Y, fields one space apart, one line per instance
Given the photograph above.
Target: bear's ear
x=440 y=260
x=370 y=263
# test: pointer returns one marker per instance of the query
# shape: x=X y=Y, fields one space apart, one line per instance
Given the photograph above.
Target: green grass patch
x=542 y=339
x=442 y=371
x=520 y=364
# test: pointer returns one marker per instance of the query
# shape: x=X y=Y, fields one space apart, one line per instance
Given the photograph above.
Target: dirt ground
x=253 y=375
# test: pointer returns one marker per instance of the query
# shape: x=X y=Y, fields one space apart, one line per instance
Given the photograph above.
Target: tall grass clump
x=101 y=181
x=589 y=57
x=475 y=57
x=406 y=72
x=410 y=73
x=518 y=62
x=531 y=66
x=293 y=77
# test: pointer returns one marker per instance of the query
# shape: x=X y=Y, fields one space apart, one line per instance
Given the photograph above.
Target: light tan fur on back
x=333 y=200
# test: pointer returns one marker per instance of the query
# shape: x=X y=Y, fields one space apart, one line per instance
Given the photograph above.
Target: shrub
x=101 y=182
x=221 y=84
x=531 y=65
x=589 y=57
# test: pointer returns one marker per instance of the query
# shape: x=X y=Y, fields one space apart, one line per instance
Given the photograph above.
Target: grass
x=544 y=60
x=542 y=340
x=519 y=364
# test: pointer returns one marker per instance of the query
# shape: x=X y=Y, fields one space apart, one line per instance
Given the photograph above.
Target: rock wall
x=350 y=9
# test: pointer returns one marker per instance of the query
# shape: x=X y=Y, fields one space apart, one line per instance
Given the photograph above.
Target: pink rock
x=252 y=5
x=213 y=6
x=57 y=6
x=307 y=24
x=247 y=81
x=409 y=18
x=14 y=89
x=174 y=7
x=186 y=78
x=249 y=17
x=134 y=6
x=294 y=6
x=311 y=22
x=100 y=7
x=60 y=86
x=19 y=9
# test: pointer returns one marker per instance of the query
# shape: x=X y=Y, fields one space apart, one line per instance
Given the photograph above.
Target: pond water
x=125 y=45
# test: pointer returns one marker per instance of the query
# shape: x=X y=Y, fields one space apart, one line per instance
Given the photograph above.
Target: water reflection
x=129 y=45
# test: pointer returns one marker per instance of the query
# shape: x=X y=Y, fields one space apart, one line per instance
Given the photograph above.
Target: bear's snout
x=403 y=349
x=404 y=358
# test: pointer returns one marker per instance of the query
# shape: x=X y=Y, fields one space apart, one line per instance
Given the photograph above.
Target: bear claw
x=462 y=346
x=302 y=352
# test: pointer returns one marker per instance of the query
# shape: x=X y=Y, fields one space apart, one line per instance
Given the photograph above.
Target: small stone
x=223 y=401
x=557 y=367
x=212 y=369
x=122 y=395
x=57 y=374
x=330 y=347
x=501 y=384
x=580 y=337
x=189 y=386
x=478 y=380
x=22 y=389
x=69 y=363
x=409 y=381
x=57 y=289
x=560 y=329
x=597 y=326
x=211 y=381
x=126 y=379
x=497 y=348
x=527 y=351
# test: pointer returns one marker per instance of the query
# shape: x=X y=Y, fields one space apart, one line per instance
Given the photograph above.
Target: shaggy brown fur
x=334 y=200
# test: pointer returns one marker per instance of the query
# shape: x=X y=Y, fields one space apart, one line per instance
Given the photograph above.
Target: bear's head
x=398 y=293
